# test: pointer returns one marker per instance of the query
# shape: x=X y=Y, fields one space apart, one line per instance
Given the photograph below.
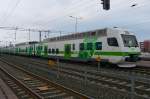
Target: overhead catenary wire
x=56 y=32
x=84 y=7
x=6 y=10
x=11 y=12
x=74 y=10
x=67 y=12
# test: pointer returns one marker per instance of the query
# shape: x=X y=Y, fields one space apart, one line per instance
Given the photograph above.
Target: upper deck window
x=102 y=33
x=112 y=41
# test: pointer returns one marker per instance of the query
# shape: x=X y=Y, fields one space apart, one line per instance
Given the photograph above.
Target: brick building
x=145 y=46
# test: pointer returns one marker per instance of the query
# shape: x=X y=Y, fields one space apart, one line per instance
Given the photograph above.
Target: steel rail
x=27 y=89
x=99 y=80
x=67 y=90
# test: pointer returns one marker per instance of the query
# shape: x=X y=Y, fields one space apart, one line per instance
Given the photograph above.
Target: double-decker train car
x=26 y=48
x=109 y=45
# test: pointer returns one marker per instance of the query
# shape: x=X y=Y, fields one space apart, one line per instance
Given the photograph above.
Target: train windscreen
x=129 y=40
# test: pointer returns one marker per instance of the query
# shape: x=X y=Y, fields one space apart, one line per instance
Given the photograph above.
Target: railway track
x=120 y=83
x=139 y=71
x=3 y=93
x=31 y=86
x=18 y=88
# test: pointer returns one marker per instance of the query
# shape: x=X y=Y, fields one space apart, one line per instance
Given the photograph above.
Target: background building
x=141 y=46
x=145 y=46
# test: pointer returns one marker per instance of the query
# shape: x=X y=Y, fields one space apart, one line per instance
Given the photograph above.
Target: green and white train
x=110 y=45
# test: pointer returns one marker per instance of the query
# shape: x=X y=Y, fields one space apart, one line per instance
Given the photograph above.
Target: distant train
x=110 y=45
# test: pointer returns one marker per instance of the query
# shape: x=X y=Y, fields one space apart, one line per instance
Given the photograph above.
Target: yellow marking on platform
x=51 y=63
x=43 y=88
x=98 y=59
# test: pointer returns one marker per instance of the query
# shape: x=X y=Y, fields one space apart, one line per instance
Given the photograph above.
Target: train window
x=129 y=40
x=93 y=33
x=57 y=51
x=98 y=45
x=73 y=46
x=112 y=41
x=49 y=51
x=81 y=46
x=102 y=33
x=89 y=46
x=53 y=51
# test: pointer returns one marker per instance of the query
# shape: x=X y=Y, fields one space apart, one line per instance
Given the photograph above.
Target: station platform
x=143 y=64
x=5 y=91
x=145 y=56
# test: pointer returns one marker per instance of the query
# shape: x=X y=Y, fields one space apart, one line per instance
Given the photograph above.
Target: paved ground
x=6 y=92
x=143 y=63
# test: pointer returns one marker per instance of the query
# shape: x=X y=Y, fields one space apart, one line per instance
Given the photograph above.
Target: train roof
x=100 y=32
x=26 y=43
x=80 y=35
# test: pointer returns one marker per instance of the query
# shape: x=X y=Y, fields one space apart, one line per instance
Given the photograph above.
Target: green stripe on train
x=108 y=53
x=116 y=53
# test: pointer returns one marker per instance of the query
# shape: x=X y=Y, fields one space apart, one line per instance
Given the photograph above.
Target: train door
x=39 y=49
x=67 y=49
x=34 y=49
x=86 y=50
x=45 y=50
x=30 y=50
x=82 y=53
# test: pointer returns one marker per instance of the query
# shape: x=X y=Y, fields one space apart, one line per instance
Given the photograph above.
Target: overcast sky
x=54 y=15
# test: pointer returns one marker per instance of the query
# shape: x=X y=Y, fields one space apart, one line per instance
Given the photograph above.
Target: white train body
x=110 y=53
x=111 y=45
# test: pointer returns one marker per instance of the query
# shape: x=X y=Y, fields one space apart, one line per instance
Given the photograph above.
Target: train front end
x=130 y=49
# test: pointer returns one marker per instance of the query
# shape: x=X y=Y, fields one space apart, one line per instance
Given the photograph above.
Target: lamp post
x=29 y=35
x=15 y=38
x=76 y=22
x=0 y=49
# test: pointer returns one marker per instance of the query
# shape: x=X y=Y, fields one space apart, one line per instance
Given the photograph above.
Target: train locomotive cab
x=113 y=46
x=130 y=49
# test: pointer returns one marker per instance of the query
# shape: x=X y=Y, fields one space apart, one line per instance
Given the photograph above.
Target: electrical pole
x=76 y=22
x=0 y=49
x=48 y=33
x=29 y=35
x=16 y=34
x=60 y=33
x=40 y=38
